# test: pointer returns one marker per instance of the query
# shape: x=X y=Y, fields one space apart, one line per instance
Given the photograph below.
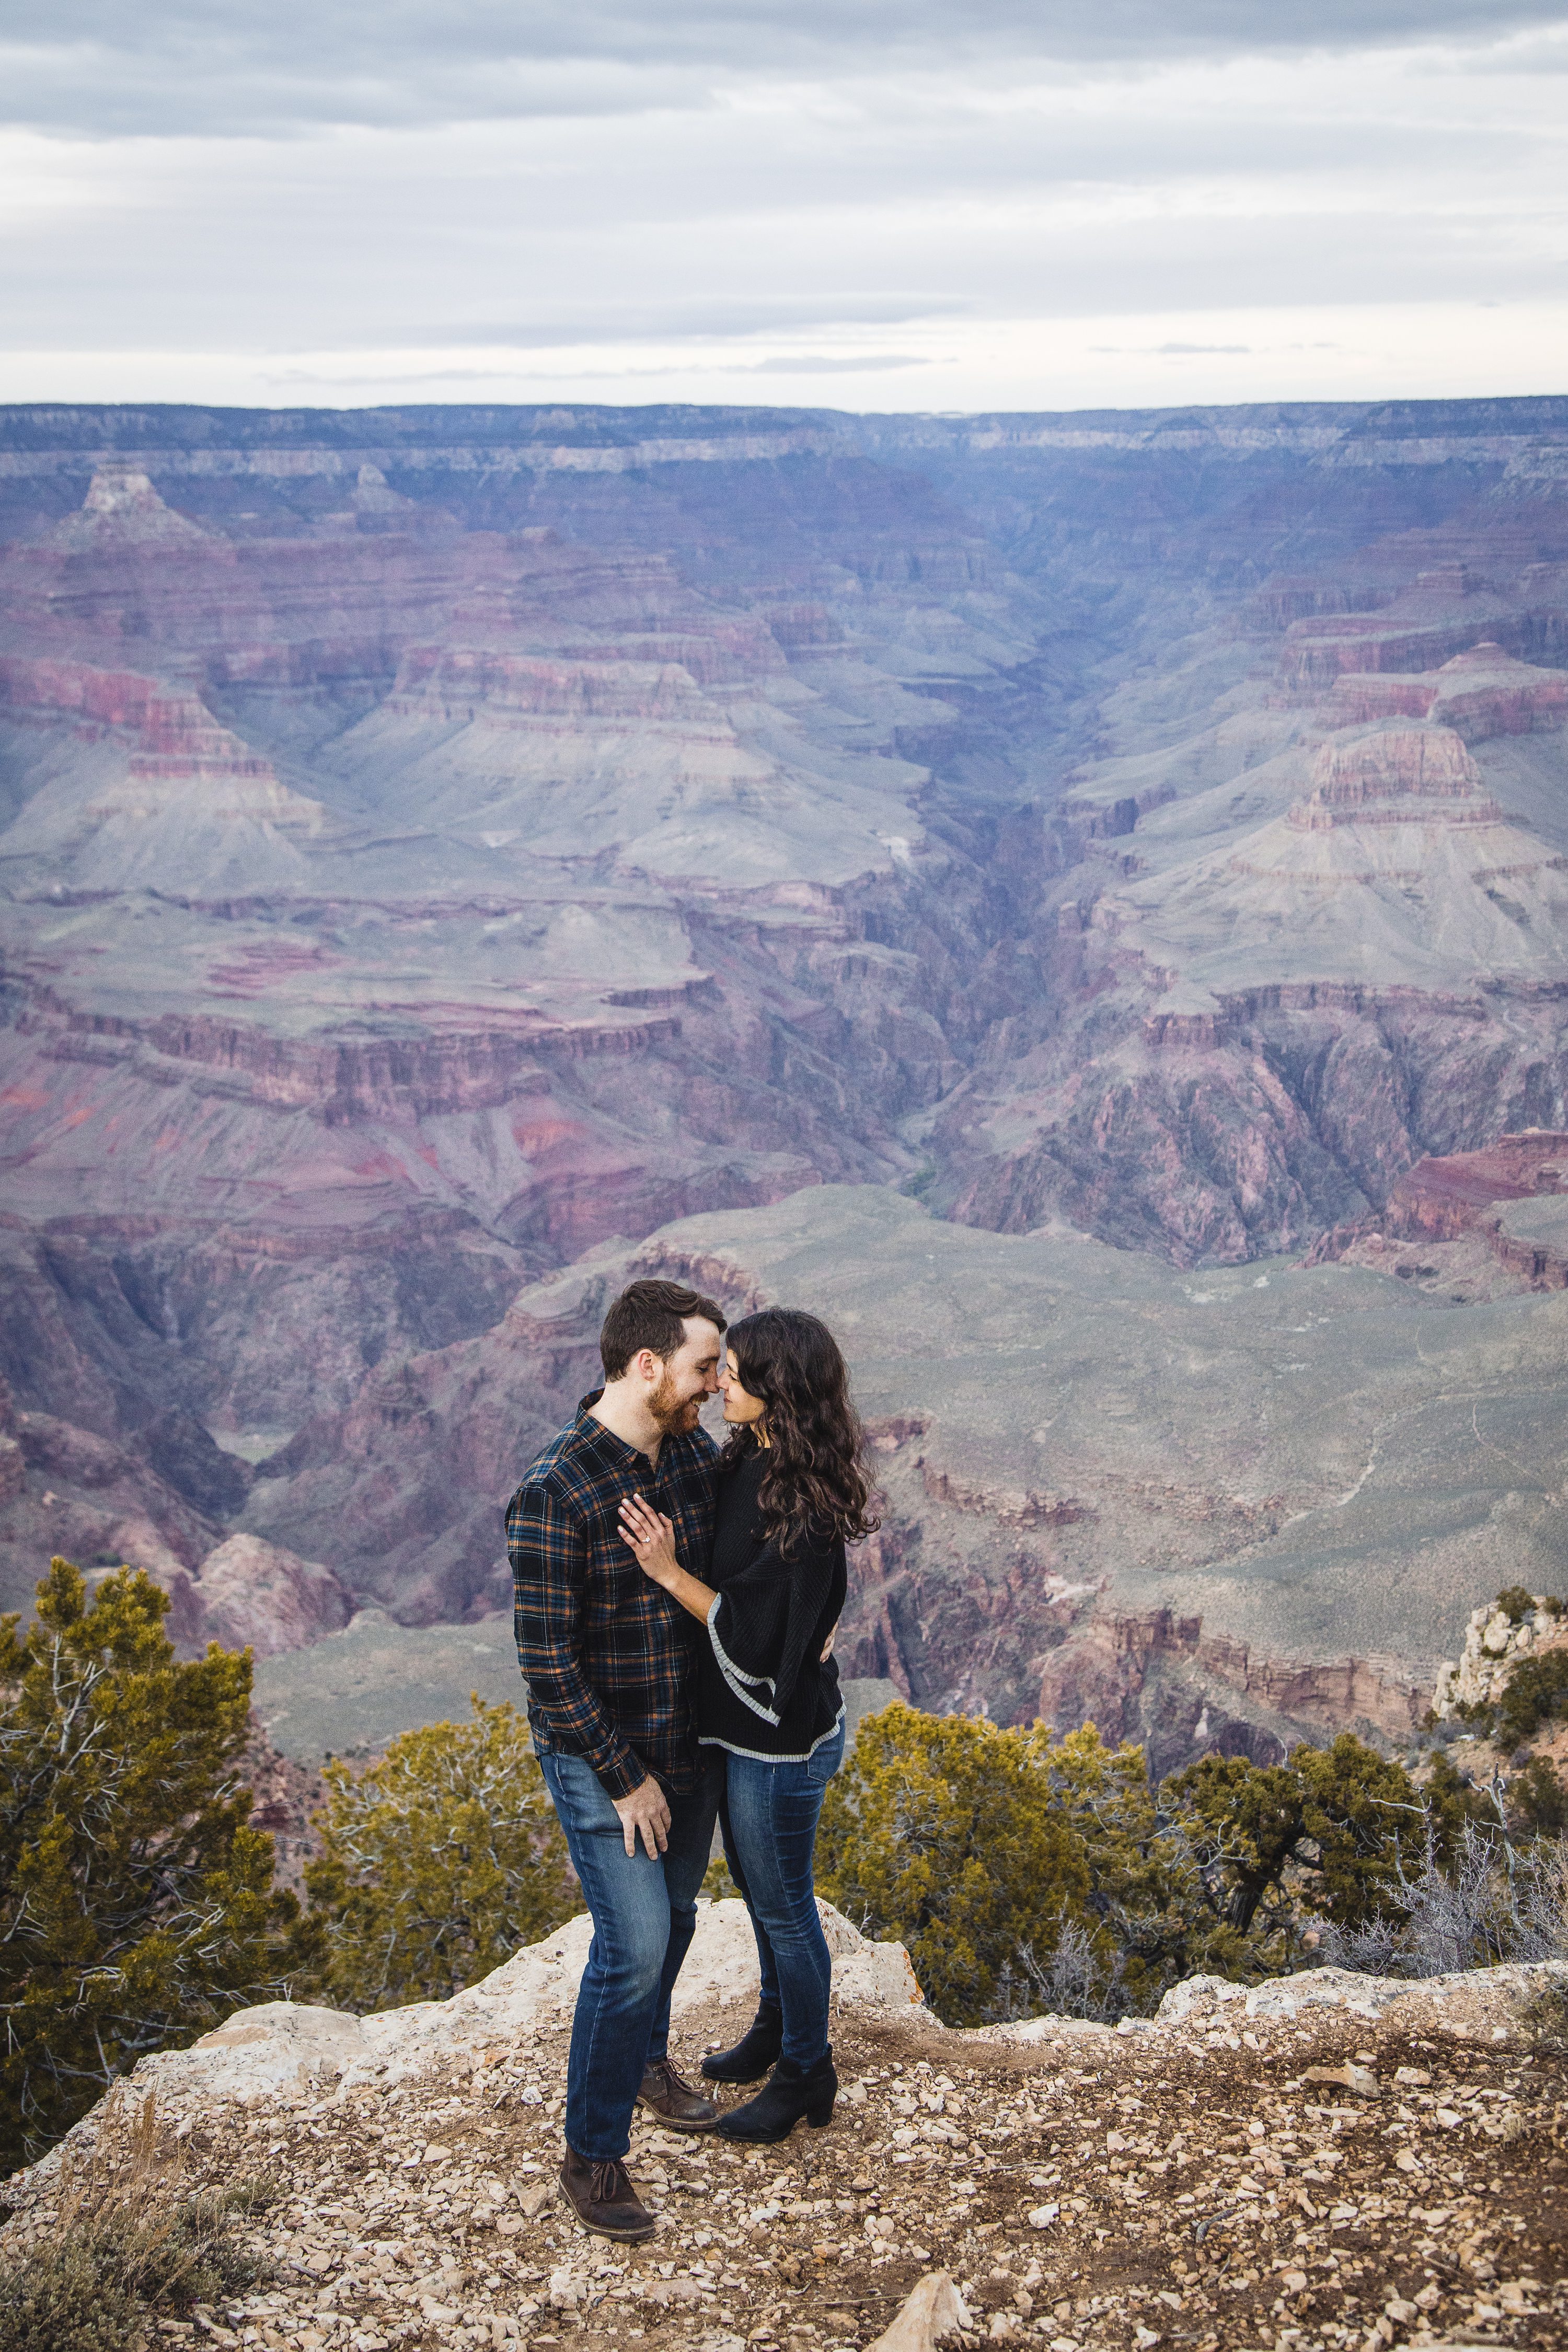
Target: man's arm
x=548 y=1570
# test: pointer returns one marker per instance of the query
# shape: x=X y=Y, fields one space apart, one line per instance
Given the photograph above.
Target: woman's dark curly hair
x=814 y=1490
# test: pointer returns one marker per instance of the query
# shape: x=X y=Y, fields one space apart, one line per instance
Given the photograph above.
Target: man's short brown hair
x=650 y=1315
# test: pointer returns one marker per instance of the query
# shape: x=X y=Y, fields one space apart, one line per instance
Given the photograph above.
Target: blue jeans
x=644 y=1913
x=769 y=1815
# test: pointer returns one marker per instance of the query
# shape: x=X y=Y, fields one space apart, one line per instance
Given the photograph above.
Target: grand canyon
x=1080 y=899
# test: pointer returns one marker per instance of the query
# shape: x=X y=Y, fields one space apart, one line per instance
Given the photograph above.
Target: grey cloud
x=633 y=321
x=793 y=363
x=249 y=269
x=228 y=67
x=821 y=363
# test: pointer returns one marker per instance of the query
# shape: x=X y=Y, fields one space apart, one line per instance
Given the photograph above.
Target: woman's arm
x=652 y=1538
x=766 y=1627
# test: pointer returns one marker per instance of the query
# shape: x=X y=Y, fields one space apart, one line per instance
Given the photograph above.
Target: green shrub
x=717 y=1884
x=1022 y=1871
x=136 y=1904
x=945 y=1834
x=438 y=1861
x=1538 y=1800
x=1537 y=1690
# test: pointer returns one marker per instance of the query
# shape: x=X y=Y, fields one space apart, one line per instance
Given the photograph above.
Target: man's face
x=687 y=1379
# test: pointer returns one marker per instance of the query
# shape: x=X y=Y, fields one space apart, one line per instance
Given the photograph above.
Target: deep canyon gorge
x=1081 y=900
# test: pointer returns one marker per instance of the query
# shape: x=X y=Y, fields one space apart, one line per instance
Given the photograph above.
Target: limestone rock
x=122 y=510
x=275 y=2045
x=935 y=2309
x=1495 y=1643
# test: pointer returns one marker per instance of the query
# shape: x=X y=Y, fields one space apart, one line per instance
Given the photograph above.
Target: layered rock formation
x=1325 y=2154
x=65 y=1491
x=1340 y=904
x=122 y=510
x=1481 y=693
x=1501 y=1204
x=402 y=984
x=434 y=843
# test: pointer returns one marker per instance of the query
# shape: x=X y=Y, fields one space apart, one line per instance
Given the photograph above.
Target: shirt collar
x=601 y=1435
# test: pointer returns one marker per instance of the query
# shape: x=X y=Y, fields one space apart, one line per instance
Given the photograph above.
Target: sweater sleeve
x=762 y=1625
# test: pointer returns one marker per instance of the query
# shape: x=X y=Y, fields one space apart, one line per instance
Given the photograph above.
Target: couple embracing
x=675 y=1613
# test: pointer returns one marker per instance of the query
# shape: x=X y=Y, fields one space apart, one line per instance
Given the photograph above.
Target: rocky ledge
x=1324 y=2160
x=1496 y=1642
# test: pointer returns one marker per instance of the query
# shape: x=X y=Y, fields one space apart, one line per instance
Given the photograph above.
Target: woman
x=792 y=1493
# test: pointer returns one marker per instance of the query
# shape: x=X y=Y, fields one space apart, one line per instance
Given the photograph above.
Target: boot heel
x=817 y=2118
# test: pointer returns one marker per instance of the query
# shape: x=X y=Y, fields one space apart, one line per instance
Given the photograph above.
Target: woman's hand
x=652 y=1538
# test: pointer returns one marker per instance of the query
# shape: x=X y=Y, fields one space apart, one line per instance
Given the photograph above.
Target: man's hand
x=647 y=1809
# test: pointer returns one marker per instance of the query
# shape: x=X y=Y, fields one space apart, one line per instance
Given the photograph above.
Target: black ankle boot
x=791 y=2091
x=753 y=2054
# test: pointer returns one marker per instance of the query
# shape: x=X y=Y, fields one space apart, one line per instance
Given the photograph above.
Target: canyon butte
x=1080 y=899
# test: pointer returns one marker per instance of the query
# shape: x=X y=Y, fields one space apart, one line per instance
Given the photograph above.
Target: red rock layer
x=176 y=734
x=1445 y=1197
x=459 y=682
x=1479 y=694
x=1374 y=780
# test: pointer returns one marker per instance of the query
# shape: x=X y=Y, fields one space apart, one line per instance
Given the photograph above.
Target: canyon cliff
x=440 y=846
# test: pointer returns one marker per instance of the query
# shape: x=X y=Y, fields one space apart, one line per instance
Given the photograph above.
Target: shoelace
x=604 y=2186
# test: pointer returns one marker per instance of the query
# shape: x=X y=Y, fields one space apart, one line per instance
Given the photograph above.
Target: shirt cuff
x=624 y=1773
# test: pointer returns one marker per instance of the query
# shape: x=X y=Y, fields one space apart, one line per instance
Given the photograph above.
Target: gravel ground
x=1301 y=2182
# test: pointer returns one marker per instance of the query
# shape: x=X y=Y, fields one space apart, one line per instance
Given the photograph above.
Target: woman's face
x=739 y=1405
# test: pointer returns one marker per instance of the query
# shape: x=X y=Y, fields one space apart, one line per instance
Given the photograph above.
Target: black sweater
x=762 y=1688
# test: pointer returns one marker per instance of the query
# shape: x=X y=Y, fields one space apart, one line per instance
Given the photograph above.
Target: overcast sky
x=862 y=203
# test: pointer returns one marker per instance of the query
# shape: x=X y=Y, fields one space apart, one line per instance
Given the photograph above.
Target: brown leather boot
x=673 y=2100
x=604 y=2199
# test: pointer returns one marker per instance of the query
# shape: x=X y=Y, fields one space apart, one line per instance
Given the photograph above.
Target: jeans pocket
x=822 y=1765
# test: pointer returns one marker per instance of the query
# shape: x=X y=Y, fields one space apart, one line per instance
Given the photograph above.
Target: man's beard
x=676 y=1415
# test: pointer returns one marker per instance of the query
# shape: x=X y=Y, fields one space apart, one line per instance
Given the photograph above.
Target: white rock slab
x=934 y=2309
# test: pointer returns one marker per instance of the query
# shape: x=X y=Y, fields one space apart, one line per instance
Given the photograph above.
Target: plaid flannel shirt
x=608 y=1656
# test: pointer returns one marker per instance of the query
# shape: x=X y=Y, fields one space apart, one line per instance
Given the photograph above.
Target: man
x=608 y=1658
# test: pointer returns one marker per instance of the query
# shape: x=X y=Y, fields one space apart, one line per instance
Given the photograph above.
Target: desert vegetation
x=1026 y=1872
x=137 y=1907
x=437 y=1863
x=134 y=2246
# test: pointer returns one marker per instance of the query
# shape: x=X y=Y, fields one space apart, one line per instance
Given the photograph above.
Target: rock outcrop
x=1317 y=2155
x=66 y=1491
x=254 y=1595
x=1506 y=1201
x=1495 y=1643
x=122 y=510
x=1479 y=694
